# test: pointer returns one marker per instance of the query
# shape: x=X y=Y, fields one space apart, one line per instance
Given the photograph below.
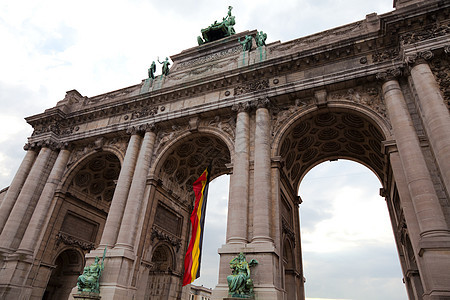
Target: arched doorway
x=68 y=266
x=329 y=134
x=348 y=248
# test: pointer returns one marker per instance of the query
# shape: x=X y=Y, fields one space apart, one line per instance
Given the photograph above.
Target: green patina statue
x=152 y=70
x=218 y=30
x=240 y=285
x=246 y=43
x=89 y=281
x=165 y=66
x=261 y=38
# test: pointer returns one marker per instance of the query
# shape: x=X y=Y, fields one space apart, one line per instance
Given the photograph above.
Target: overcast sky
x=50 y=47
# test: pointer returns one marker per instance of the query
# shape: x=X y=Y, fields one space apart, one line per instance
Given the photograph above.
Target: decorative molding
x=251 y=87
x=387 y=54
x=367 y=96
x=389 y=74
x=418 y=57
x=429 y=33
x=166 y=237
x=73 y=241
x=208 y=58
x=144 y=112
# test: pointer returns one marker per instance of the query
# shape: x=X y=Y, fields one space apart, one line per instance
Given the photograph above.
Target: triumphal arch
x=115 y=171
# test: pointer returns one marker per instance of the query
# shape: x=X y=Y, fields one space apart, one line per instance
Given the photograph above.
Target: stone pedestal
x=86 y=296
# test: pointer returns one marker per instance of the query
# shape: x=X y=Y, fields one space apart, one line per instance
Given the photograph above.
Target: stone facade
x=116 y=170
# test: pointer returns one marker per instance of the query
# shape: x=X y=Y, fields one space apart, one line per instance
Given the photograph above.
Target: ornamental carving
x=441 y=71
x=287 y=230
x=163 y=236
x=73 y=241
x=388 y=54
x=432 y=32
x=210 y=57
x=280 y=115
x=109 y=96
x=367 y=96
x=227 y=124
x=251 y=87
x=418 y=56
x=144 y=112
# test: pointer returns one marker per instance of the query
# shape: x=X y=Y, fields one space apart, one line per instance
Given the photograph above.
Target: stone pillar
x=119 y=200
x=426 y=203
x=262 y=175
x=17 y=183
x=434 y=112
x=17 y=221
x=36 y=225
x=433 y=238
x=128 y=228
x=239 y=181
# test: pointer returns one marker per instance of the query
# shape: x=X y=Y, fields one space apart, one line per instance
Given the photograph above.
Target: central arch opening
x=348 y=247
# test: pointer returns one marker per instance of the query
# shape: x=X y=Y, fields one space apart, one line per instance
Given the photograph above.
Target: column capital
x=418 y=58
x=447 y=49
x=389 y=74
x=241 y=107
x=261 y=103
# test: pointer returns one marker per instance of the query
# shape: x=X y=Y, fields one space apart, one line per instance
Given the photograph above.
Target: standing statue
x=89 y=281
x=261 y=38
x=246 y=43
x=152 y=70
x=239 y=282
x=165 y=66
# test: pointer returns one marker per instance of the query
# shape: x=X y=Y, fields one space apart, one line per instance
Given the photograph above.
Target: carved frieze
x=227 y=124
x=250 y=87
x=166 y=237
x=440 y=67
x=387 y=54
x=105 y=97
x=431 y=32
x=208 y=58
x=281 y=115
x=367 y=96
x=73 y=241
x=144 y=112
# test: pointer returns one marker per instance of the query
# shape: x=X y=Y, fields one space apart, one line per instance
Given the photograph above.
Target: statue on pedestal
x=89 y=281
x=165 y=66
x=240 y=285
x=152 y=70
x=246 y=43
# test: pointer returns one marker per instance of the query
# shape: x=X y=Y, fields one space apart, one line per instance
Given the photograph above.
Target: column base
x=86 y=296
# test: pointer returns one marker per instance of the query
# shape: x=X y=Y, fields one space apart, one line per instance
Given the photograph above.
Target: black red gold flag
x=194 y=252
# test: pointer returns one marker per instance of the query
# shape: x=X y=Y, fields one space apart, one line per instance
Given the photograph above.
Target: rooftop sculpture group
x=218 y=30
x=165 y=68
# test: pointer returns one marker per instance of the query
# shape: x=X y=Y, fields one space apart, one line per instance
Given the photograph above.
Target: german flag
x=194 y=252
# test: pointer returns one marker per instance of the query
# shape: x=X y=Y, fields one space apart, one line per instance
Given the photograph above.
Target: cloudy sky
x=50 y=47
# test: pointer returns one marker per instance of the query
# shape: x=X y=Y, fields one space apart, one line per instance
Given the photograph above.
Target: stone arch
x=68 y=266
x=94 y=175
x=182 y=160
x=331 y=133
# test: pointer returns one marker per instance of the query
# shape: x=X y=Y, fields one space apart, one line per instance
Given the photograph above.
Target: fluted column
x=238 y=199
x=17 y=221
x=435 y=115
x=17 y=183
x=36 y=225
x=120 y=196
x=262 y=179
x=128 y=228
x=426 y=203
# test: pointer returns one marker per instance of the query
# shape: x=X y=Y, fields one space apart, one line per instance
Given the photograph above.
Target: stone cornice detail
x=166 y=237
x=73 y=241
x=389 y=74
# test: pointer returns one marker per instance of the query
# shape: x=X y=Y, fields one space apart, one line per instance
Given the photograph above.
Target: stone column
x=426 y=203
x=239 y=181
x=36 y=225
x=434 y=112
x=262 y=171
x=128 y=228
x=434 y=238
x=119 y=200
x=17 y=221
x=17 y=183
